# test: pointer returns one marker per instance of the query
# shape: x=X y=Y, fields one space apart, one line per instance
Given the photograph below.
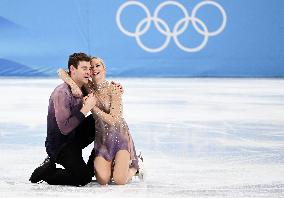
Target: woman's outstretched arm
x=63 y=75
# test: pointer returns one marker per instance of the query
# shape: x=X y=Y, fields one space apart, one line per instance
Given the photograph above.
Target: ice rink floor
x=200 y=137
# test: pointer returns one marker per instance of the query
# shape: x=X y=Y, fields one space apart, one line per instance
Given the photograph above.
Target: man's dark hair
x=75 y=58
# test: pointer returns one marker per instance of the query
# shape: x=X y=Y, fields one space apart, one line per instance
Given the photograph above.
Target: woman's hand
x=118 y=85
x=89 y=102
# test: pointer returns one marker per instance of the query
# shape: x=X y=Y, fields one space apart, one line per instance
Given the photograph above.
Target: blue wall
x=36 y=37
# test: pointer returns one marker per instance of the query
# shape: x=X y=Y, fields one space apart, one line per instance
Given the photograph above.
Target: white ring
x=118 y=14
x=221 y=28
x=160 y=6
x=168 y=36
x=188 y=49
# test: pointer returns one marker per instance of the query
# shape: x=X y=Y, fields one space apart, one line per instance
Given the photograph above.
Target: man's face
x=81 y=75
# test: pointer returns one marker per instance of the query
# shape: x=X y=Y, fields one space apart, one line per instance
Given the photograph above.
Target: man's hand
x=118 y=85
x=89 y=102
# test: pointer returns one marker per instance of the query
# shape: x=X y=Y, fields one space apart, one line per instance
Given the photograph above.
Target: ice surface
x=201 y=137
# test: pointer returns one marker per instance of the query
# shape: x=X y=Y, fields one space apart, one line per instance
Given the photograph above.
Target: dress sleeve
x=116 y=108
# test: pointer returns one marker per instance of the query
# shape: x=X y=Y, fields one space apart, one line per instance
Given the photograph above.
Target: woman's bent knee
x=120 y=180
x=102 y=179
x=103 y=182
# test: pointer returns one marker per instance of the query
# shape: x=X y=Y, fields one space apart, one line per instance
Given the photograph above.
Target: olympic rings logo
x=179 y=28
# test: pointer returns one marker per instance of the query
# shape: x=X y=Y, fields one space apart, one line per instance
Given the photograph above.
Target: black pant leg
x=61 y=177
x=85 y=132
x=76 y=172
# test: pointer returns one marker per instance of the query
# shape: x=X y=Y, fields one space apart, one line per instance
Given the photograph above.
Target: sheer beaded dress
x=112 y=132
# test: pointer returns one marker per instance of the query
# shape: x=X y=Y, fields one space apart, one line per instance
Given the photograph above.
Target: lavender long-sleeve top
x=63 y=117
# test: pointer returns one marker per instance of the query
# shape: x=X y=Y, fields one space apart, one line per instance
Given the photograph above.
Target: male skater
x=68 y=131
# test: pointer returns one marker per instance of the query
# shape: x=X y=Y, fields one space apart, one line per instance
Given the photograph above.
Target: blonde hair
x=99 y=59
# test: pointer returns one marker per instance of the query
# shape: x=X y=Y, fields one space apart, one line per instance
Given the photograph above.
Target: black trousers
x=75 y=172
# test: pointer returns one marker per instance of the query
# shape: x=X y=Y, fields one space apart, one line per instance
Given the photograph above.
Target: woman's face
x=99 y=70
